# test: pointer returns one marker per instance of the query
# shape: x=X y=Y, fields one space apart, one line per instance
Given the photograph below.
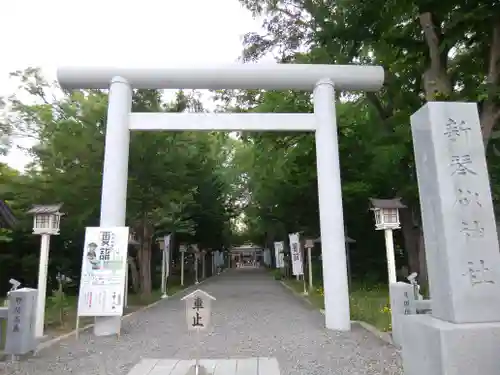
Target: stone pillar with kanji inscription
x=462 y=335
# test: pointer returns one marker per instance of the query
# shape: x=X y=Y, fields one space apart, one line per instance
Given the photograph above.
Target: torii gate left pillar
x=322 y=79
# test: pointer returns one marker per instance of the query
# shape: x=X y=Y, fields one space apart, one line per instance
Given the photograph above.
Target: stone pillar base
x=436 y=347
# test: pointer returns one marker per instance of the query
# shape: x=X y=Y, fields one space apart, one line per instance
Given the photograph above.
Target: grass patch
x=316 y=296
x=3 y=330
x=371 y=305
x=367 y=304
x=53 y=312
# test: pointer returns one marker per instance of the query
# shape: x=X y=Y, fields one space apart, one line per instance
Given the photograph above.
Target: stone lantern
x=132 y=239
x=46 y=218
x=164 y=245
x=46 y=221
x=386 y=212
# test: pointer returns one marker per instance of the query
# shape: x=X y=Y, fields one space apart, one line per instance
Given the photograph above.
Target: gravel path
x=253 y=316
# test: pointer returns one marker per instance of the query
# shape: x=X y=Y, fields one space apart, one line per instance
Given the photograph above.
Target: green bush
x=59 y=303
x=278 y=275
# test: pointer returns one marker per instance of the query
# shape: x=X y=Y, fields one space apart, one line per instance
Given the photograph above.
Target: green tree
x=431 y=51
x=168 y=172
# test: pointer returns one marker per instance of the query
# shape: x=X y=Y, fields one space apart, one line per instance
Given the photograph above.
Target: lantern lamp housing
x=386 y=212
x=309 y=243
x=46 y=218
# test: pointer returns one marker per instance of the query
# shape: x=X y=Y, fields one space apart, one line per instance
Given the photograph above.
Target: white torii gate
x=322 y=79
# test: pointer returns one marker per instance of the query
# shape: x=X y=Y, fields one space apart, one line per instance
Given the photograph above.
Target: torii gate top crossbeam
x=235 y=76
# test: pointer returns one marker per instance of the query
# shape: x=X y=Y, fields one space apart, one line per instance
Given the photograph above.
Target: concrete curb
x=384 y=336
x=294 y=292
x=55 y=340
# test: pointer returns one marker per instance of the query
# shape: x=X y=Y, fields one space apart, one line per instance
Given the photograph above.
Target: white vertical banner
x=296 y=254
x=166 y=249
x=278 y=253
x=102 y=281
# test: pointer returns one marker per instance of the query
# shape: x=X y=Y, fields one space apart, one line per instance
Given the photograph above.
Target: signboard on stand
x=198 y=313
x=104 y=265
x=296 y=254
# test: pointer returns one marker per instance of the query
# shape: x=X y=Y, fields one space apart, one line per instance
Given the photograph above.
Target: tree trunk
x=145 y=268
x=144 y=259
x=437 y=83
x=270 y=245
x=423 y=278
x=490 y=111
x=410 y=238
x=413 y=237
x=134 y=274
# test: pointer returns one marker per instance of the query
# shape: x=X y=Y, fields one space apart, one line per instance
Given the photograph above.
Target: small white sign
x=182 y=248
x=296 y=254
x=198 y=310
x=309 y=244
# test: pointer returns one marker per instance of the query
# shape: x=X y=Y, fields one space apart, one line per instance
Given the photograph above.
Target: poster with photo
x=104 y=266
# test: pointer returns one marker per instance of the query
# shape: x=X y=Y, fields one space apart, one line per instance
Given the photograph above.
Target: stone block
x=402 y=303
x=461 y=243
x=435 y=347
x=20 y=336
